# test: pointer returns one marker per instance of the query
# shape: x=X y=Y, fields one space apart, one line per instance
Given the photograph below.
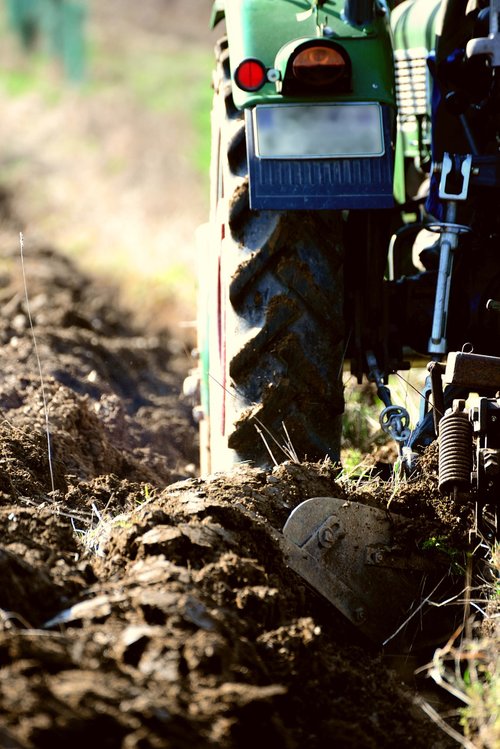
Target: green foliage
x=163 y=80
x=441 y=544
x=469 y=669
x=20 y=81
x=480 y=718
x=351 y=460
x=360 y=425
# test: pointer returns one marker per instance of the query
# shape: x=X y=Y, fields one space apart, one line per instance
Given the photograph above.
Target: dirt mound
x=134 y=615
x=188 y=630
x=111 y=393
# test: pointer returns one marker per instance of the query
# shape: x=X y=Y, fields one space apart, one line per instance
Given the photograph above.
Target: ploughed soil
x=141 y=606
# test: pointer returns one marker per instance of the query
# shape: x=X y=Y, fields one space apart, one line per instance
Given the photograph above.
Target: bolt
x=330 y=532
x=359 y=615
x=492 y=305
x=378 y=557
x=198 y=414
x=327 y=536
x=273 y=75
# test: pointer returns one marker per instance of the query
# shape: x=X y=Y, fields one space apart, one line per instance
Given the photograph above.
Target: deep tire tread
x=285 y=348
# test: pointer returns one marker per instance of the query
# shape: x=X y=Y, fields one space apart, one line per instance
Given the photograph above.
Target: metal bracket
x=489 y=45
x=456 y=167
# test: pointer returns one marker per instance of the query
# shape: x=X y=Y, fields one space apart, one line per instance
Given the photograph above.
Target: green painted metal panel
x=399 y=186
x=260 y=28
x=414 y=24
x=217 y=13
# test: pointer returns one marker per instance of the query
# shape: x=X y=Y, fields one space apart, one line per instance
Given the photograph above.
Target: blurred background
x=104 y=132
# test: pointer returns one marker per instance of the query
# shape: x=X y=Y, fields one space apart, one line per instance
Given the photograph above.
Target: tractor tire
x=274 y=300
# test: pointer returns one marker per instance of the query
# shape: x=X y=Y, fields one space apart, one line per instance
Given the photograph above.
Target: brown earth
x=135 y=613
x=142 y=607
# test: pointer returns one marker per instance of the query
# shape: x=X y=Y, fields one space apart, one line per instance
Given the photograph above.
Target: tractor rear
x=304 y=125
x=328 y=152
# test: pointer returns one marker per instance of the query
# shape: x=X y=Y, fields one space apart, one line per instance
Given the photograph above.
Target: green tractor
x=320 y=130
x=302 y=199
x=340 y=131
x=323 y=174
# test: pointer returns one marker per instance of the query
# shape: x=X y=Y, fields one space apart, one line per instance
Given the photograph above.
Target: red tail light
x=250 y=75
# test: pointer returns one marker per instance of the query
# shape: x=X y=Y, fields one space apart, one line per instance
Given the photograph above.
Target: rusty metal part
x=436 y=370
x=485 y=418
x=473 y=371
x=348 y=552
x=455 y=449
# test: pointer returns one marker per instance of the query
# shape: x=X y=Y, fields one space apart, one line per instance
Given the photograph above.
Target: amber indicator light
x=318 y=65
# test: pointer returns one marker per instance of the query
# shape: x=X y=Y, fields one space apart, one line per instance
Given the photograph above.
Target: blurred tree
x=58 y=25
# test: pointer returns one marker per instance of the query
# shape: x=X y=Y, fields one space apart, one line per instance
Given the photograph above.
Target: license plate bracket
x=320 y=182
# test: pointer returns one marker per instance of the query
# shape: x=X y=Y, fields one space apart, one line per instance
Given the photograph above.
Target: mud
x=142 y=606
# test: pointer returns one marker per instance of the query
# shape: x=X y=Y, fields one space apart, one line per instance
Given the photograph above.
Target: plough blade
x=349 y=553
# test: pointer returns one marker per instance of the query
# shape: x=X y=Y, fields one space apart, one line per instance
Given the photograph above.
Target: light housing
x=250 y=75
x=318 y=66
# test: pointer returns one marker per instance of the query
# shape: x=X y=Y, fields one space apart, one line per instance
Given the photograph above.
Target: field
x=143 y=607
x=115 y=171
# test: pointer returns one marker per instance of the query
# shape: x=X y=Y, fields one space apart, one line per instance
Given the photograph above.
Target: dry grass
x=468 y=666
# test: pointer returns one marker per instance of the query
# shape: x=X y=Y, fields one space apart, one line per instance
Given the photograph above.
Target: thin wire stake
x=42 y=384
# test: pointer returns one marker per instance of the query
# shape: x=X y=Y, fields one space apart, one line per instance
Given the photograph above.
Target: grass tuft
x=468 y=667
